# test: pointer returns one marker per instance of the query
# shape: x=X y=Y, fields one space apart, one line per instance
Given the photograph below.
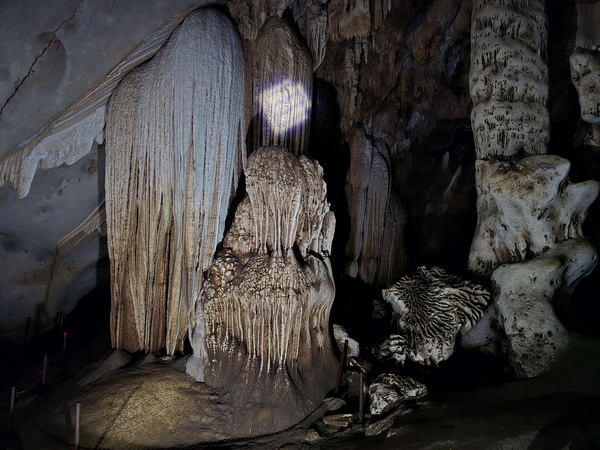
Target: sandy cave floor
x=152 y=403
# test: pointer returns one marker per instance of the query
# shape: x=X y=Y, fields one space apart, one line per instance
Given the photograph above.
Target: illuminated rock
x=281 y=92
x=525 y=207
x=173 y=127
x=389 y=390
x=269 y=292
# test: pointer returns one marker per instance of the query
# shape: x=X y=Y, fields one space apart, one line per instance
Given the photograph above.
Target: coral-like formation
x=269 y=292
x=525 y=207
x=174 y=156
x=430 y=309
x=389 y=390
x=281 y=93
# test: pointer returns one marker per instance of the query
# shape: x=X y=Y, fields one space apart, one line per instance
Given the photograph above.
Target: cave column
x=526 y=205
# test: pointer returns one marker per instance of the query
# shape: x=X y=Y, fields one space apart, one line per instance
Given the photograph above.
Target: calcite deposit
x=430 y=309
x=266 y=302
x=174 y=157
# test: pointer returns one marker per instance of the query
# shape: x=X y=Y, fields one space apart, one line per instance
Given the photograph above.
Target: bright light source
x=285 y=105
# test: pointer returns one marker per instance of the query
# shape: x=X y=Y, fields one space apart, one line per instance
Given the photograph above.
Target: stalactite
x=356 y=18
x=173 y=125
x=311 y=17
x=281 y=92
x=357 y=181
x=378 y=195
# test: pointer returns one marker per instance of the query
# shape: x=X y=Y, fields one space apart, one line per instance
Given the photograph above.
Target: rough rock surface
x=524 y=296
x=430 y=309
x=60 y=66
x=389 y=390
x=585 y=72
x=525 y=207
x=268 y=295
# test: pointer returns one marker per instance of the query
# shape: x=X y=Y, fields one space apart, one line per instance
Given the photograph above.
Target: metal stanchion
x=77 y=423
x=361 y=394
x=338 y=381
x=13 y=394
x=44 y=369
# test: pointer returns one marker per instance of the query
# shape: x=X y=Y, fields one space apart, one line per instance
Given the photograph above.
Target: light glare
x=285 y=105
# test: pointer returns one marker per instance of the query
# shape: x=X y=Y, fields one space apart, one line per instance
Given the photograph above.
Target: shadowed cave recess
x=300 y=224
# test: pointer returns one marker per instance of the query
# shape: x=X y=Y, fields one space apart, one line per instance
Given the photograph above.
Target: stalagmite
x=174 y=125
x=269 y=292
x=524 y=298
x=526 y=205
x=281 y=92
x=525 y=208
x=528 y=212
x=509 y=78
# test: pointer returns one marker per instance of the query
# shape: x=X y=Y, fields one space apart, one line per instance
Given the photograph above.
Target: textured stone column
x=526 y=205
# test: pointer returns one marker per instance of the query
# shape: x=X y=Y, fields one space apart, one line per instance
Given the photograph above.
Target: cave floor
x=151 y=403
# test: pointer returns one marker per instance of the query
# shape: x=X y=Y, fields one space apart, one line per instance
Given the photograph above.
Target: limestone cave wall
x=386 y=87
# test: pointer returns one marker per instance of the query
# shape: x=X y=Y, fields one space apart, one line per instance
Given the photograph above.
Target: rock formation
x=375 y=248
x=267 y=298
x=430 y=309
x=174 y=125
x=389 y=390
x=524 y=297
x=64 y=64
x=585 y=68
x=526 y=206
x=281 y=92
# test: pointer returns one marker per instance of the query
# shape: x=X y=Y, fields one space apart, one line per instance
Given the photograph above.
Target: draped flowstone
x=174 y=156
